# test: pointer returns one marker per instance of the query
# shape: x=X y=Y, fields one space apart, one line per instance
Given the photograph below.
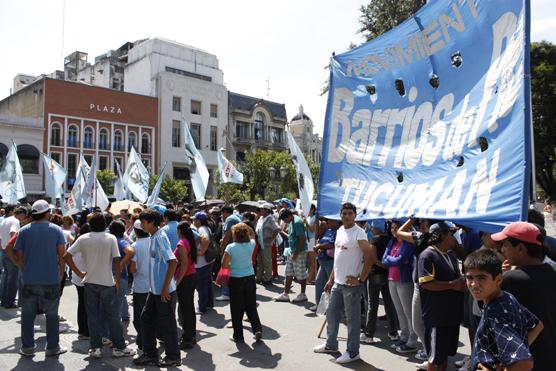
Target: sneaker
x=367 y=339
x=393 y=336
x=421 y=355
x=126 y=352
x=397 y=343
x=299 y=298
x=56 y=351
x=258 y=335
x=62 y=319
x=422 y=366
x=404 y=348
x=323 y=349
x=185 y=345
x=167 y=362
x=313 y=308
x=461 y=362
x=145 y=360
x=282 y=297
x=239 y=341
x=106 y=342
x=95 y=352
x=126 y=343
x=346 y=358
x=222 y=298
x=27 y=352
x=83 y=337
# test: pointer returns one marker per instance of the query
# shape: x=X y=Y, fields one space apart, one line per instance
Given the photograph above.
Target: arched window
x=55 y=134
x=104 y=143
x=145 y=139
x=28 y=158
x=88 y=137
x=131 y=140
x=259 y=126
x=118 y=141
x=73 y=135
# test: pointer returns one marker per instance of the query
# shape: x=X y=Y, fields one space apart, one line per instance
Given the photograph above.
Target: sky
x=276 y=50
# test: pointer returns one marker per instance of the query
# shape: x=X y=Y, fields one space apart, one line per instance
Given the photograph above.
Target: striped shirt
x=160 y=254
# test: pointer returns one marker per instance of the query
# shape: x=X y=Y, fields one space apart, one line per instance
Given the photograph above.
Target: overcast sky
x=287 y=42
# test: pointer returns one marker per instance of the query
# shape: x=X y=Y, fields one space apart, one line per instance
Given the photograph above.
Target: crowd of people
x=433 y=276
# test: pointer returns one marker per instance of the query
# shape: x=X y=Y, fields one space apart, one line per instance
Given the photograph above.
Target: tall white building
x=301 y=127
x=190 y=88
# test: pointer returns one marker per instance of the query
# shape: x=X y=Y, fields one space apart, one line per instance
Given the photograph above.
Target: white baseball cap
x=40 y=207
x=137 y=225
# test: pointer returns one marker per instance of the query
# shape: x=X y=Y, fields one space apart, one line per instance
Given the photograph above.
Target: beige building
x=301 y=127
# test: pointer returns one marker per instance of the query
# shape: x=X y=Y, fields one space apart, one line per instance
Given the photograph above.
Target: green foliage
x=380 y=16
x=106 y=179
x=543 y=89
x=172 y=190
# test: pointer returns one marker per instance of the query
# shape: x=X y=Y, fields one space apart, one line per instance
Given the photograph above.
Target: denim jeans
x=378 y=284
x=346 y=299
x=122 y=299
x=402 y=296
x=40 y=298
x=160 y=318
x=204 y=288
x=139 y=300
x=243 y=299
x=102 y=303
x=82 y=323
x=186 y=308
x=323 y=274
x=11 y=282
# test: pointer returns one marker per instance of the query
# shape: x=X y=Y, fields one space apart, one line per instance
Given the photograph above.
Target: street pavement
x=289 y=334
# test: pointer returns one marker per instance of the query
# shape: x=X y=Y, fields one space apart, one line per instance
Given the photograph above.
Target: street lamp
x=272 y=173
x=283 y=171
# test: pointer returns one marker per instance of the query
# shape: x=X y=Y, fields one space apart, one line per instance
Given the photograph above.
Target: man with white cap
x=267 y=230
x=40 y=245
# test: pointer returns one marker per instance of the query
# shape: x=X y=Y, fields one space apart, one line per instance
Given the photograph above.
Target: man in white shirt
x=9 y=226
x=352 y=264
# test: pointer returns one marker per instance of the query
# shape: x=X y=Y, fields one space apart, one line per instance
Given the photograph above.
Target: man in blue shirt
x=171 y=218
x=41 y=247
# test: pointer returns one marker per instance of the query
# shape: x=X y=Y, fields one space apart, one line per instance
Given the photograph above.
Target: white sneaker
x=323 y=349
x=282 y=297
x=222 y=298
x=367 y=340
x=422 y=366
x=126 y=352
x=313 y=308
x=299 y=298
x=346 y=358
x=95 y=353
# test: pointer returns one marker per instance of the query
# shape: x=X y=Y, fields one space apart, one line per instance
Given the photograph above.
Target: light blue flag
x=156 y=190
x=54 y=178
x=119 y=188
x=304 y=177
x=197 y=167
x=136 y=177
x=227 y=170
x=12 y=186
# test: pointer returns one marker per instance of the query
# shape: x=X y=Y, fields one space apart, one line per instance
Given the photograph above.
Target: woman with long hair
x=203 y=267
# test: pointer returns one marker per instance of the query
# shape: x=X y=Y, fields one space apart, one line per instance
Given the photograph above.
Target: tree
x=106 y=179
x=171 y=190
x=543 y=89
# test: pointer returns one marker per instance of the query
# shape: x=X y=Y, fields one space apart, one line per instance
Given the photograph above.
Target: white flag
x=228 y=172
x=54 y=178
x=119 y=189
x=12 y=186
x=304 y=177
x=156 y=190
x=136 y=177
x=197 y=167
x=100 y=197
x=89 y=193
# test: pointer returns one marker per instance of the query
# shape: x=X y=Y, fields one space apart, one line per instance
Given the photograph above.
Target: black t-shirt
x=534 y=287
x=421 y=242
x=440 y=308
x=380 y=242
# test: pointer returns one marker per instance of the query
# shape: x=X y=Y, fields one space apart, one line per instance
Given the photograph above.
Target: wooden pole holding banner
x=321 y=328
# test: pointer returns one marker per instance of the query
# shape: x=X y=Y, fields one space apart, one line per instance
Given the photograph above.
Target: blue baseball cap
x=200 y=215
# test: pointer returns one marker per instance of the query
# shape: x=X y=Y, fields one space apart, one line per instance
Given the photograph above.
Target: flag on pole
x=119 y=189
x=100 y=198
x=156 y=190
x=12 y=186
x=74 y=203
x=89 y=193
x=55 y=176
x=304 y=177
x=227 y=170
x=197 y=167
x=136 y=177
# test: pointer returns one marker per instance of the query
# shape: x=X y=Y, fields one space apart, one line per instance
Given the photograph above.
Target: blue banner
x=432 y=119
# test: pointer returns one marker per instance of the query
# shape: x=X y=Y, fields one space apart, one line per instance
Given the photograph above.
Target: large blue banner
x=432 y=119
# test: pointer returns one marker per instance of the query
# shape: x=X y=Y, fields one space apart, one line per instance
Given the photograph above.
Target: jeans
x=243 y=299
x=82 y=323
x=204 y=288
x=402 y=296
x=122 y=299
x=378 y=284
x=40 y=298
x=346 y=299
x=102 y=303
x=160 y=318
x=139 y=300
x=186 y=292
x=264 y=264
x=323 y=274
x=417 y=315
x=11 y=284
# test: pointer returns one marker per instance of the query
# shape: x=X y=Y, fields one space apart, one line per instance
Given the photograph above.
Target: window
x=214 y=110
x=28 y=158
x=213 y=138
x=176 y=133
x=147 y=163
x=103 y=163
x=55 y=134
x=56 y=157
x=276 y=135
x=195 y=107
x=145 y=143
x=259 y=126
x=120 y=162
x=118 y=141
x=242 y=130
x=181 y=173
x=196 y=134
x=88 y=159
x=72 y=169
x=176 y=104
x=131 y=140
x=103 y=139
x=88 y=137
x=72 y=136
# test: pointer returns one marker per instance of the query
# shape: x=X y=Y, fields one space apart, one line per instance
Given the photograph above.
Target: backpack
x=213 y=250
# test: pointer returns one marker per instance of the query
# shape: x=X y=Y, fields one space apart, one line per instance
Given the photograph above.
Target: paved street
x=289 y=331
